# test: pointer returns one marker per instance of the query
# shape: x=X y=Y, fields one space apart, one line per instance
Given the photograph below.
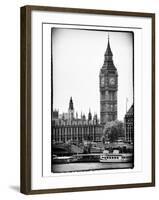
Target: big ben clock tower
x=108 y=88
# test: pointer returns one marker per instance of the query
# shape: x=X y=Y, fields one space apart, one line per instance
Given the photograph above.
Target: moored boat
x=64 y=159
x=115 y=157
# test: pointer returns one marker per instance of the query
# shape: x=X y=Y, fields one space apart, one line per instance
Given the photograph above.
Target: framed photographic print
x=87 y=99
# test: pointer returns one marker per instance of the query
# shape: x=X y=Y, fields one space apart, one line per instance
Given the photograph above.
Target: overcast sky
x=78 y=56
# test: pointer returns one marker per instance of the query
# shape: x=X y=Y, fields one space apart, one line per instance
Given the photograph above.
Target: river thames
x=88 y=166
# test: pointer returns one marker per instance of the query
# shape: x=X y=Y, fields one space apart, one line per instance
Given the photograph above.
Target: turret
x=71 y=109
x=89 y=115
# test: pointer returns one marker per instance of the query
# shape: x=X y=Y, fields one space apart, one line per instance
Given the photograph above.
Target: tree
x=103 y=139
x=68 y=145
x=113 y=130
x=87 y=147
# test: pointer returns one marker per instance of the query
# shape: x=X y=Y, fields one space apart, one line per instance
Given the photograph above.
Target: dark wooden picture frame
x=26 y=107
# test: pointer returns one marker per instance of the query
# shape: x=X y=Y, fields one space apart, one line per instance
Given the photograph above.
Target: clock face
x=112 y=81
x=102 y=81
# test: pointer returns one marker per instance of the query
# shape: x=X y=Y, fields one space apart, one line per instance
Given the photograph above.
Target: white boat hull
x=119 y=158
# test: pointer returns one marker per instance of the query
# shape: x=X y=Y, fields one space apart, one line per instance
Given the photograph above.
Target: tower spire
x=89 y=115
x=108 y=56
x=108 y=50
x=71 y=109
x=71 y=104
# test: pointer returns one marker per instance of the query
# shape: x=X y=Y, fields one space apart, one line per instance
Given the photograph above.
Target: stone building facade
x=68 y=127
x=129 y=125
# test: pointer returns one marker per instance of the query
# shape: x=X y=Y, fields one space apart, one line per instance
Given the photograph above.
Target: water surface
x=75 y=167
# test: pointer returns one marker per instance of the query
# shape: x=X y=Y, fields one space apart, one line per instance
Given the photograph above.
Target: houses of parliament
x=72 y=127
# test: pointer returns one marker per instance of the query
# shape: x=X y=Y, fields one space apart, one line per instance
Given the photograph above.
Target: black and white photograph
x=92 y=100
